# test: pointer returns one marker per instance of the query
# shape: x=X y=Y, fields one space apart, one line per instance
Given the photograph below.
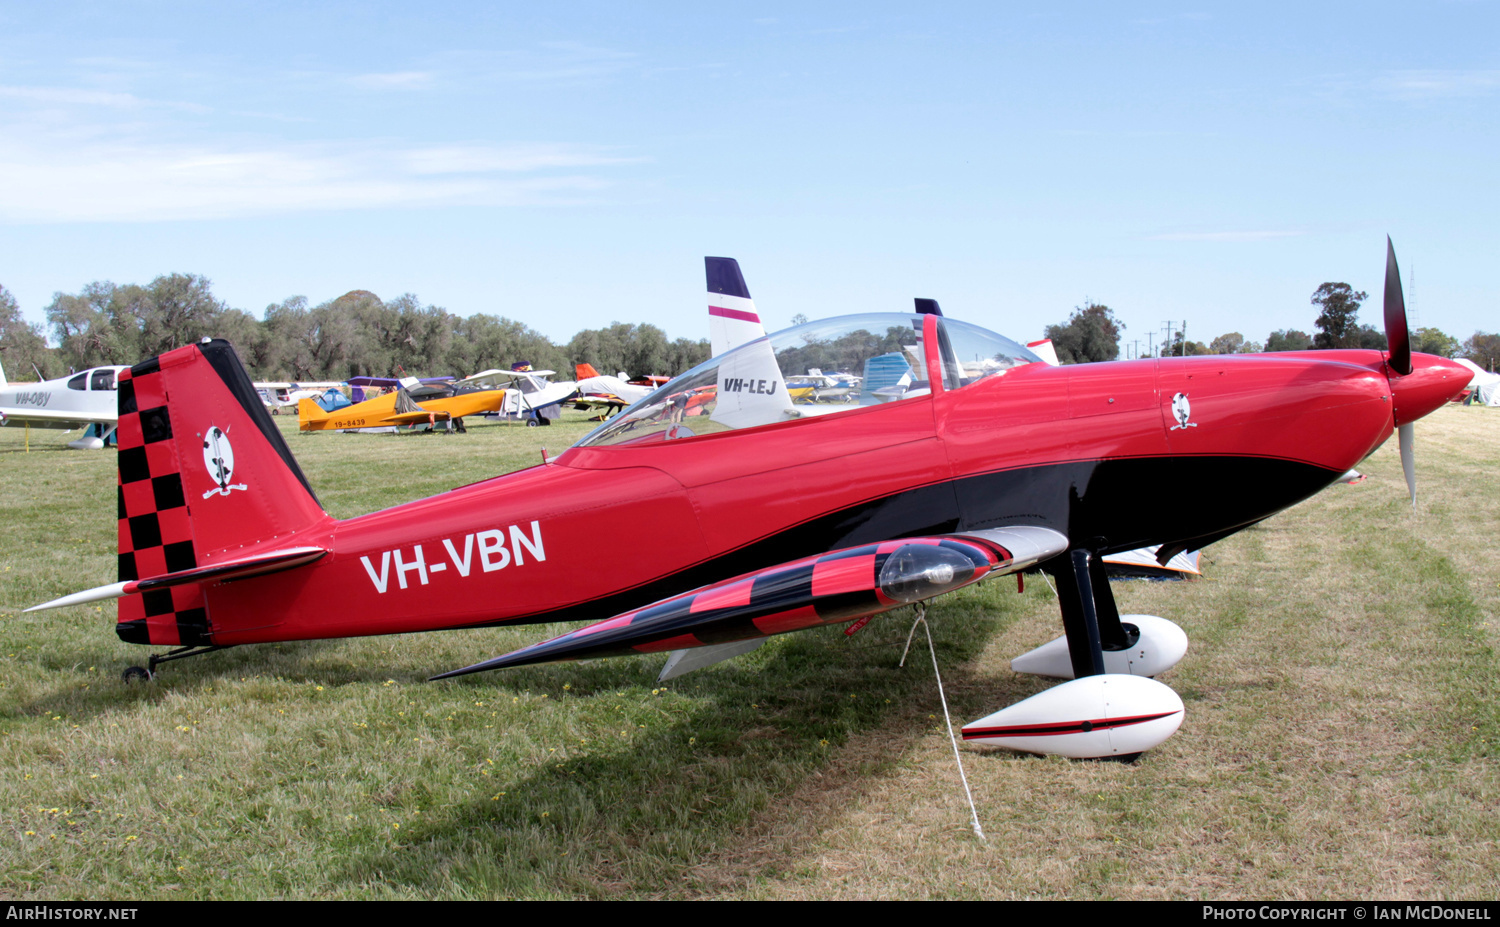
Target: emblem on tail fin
x=218 y=458
x=1182 y=410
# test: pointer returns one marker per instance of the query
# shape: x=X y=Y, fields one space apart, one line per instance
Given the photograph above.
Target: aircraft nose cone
x=1432 y=382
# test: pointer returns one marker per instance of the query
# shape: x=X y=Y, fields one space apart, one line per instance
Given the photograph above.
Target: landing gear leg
x=1090 y=618
x=1113 y=633
x=148 y=672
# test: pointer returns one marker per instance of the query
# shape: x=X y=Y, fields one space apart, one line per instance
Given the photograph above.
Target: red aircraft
x=977 y=461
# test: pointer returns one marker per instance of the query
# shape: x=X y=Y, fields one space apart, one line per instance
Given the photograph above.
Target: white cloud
x=99 y=153
x=70 y=97
x=118 y=182
x=468 y=159
x=1226 y=236
x=73 y=96
x=1433 y=84
x=395 y=80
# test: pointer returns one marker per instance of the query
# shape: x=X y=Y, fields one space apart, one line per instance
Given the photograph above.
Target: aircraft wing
x=486 y=373
x=66 y=421
x=598 y=402
x=827 y=589
x=414 y=418
x=507 y=376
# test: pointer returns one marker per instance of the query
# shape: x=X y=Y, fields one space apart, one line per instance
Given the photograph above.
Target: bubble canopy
x=818 y=368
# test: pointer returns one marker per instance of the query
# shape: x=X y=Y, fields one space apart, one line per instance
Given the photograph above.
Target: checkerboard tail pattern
x=156 y=533
x=204 y=474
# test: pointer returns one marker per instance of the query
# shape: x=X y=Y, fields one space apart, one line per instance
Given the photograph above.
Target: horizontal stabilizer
x=226 y=571
x=828 y=589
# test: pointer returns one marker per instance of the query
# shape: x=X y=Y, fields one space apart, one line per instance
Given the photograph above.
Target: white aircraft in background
x=74 y=401
x=283 y=395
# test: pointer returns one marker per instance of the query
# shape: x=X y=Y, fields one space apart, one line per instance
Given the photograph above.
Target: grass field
x=1341 y=739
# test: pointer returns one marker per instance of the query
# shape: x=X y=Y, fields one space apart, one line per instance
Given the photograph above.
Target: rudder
x=732 y=319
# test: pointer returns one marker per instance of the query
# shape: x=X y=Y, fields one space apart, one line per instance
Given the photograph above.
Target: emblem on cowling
x=1182 y=411
x=218 y=459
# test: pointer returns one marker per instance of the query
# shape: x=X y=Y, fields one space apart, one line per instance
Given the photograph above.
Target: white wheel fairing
x=1160 y=646
x=1090 y=718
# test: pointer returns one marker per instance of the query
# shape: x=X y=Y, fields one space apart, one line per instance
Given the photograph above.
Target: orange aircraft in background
x=417 y=403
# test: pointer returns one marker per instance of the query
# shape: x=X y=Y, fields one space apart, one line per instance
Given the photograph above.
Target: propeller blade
x=1407 y=436
x=1397 y=338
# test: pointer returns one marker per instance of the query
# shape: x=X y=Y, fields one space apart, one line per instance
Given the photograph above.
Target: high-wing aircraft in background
x=74 y=401
x=768 y=517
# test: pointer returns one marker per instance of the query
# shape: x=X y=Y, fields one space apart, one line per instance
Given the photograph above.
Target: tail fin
x=3 y=382
x=584 y=371
x=732 y=319
x=205 y=476
x=308 y=410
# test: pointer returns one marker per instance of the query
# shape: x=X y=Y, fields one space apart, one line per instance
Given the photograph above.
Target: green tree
x=1288 y=339
x=1483 y=349
x=1177 y=348
x=1226 y=344
x=85 y=328
x=1370 y=338
x=1435 y=341
x=173 y=310
x=486 y=341
x=1232 y=343
x=1338 y=325
x=109 y=324
x=1091 y=334
x=687 y=354
x=21 y=343
x=638 y=350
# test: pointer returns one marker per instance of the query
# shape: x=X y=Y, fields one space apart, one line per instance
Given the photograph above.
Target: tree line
x=357 y=334
x=1092 y=333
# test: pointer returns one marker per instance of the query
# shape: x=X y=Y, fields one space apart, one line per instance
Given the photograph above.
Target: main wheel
x=136 y=673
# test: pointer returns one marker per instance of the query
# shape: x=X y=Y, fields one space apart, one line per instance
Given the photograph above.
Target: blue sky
x=569 y=165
